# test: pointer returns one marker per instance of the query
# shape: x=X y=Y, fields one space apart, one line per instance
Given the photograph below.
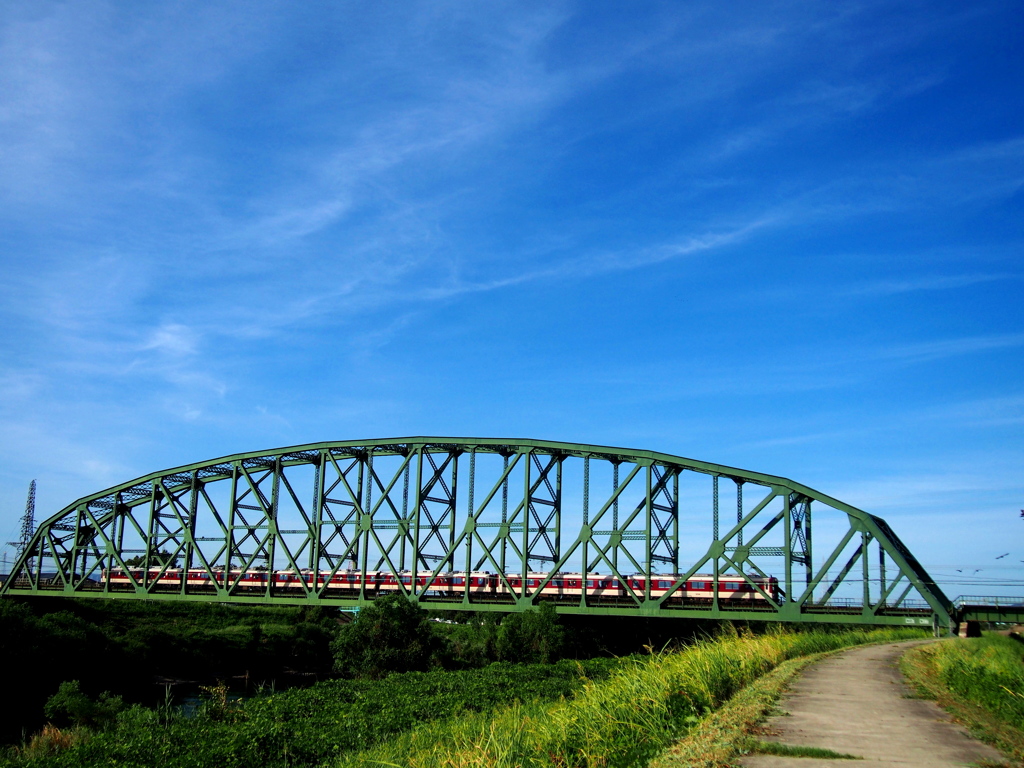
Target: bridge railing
x=994 y=601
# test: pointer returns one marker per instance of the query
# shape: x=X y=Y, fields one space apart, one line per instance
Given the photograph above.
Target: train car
x=698 y=588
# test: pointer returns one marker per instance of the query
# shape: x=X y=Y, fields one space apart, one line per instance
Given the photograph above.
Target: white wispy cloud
x=912 y=284
x=980 y=413
x=939 y=349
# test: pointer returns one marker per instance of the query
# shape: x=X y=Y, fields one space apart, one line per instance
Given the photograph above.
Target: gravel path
x=856 y=703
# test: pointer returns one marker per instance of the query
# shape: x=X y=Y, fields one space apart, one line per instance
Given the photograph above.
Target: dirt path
x=855 y=703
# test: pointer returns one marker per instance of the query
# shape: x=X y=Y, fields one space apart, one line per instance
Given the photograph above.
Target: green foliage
x=532 y=636
x=70 y=703
x=156 y=559
x=131 y=642
x=390 y=635
x=470 y=641
x=314 y=726
x=986 y=671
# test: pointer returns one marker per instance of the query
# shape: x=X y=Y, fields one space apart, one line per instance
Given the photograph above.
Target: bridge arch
x=646 y=533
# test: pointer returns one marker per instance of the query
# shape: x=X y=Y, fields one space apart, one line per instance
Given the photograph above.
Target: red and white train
x=698 y=587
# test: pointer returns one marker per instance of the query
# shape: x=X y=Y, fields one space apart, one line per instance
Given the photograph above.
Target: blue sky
x=780 y=236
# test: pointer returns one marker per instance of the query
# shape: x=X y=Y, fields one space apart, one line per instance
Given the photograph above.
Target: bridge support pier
x=969 y=629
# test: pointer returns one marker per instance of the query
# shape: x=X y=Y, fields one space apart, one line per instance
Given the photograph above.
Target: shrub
x=534 y=636
x=69 y=702
x=390 y=635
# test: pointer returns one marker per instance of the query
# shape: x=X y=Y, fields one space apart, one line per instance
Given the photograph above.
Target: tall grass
x=987 y=671
x=624 y=721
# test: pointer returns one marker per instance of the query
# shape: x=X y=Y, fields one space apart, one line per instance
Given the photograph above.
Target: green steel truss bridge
x=287 y=525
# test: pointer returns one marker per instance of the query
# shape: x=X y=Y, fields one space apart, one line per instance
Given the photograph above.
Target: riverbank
x=980 y=682
x=626 y=721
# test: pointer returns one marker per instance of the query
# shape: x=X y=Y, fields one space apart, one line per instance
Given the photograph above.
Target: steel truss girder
x=425 y=504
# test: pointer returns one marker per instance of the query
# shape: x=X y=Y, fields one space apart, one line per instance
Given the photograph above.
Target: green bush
x=70 y=703
x=532 y=636
x=390 y=635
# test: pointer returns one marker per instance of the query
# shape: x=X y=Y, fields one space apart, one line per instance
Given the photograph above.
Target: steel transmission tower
x=28 y=524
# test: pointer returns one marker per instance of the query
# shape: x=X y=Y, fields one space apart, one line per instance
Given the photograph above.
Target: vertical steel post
x=585 y=544
x=417 y=505
x=193 y=514
x=405 y=515
x=557 y=554
x=648 y=513
x=151 y=531
x=71 y=565
x=118 y=518
x=739 y=514
x=317 y=514
x=881 y=575
x=787 y=508
x=807 y=549
x=229 y=550
x=615 y=514
x=714 y=572
x=454 y=503
x=714 y=506
x=865 y=539
x=272 y=527
x=675 y=523
x=470 y=522
x=586 y=490
x=528 y=460
x=506 y=532
x=368 y=505
x=363 y=538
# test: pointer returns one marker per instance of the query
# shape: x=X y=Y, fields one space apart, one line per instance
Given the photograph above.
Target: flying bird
x=1002 y=556
x=977 y=570
x=961 y=570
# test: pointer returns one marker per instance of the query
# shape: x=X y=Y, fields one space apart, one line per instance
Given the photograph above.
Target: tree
x=534 y=636
x=156 y=560
x=390 y=635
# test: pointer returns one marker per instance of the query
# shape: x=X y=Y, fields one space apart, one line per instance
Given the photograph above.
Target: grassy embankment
x=980 y=682
x=626 y=720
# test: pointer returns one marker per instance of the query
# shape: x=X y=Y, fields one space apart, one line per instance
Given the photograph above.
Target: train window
x=458 y=581
x=556 y=582
x=406 y=579
x=590 y=583
x=733 y=585
x=573 y=583
x=699 y=585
